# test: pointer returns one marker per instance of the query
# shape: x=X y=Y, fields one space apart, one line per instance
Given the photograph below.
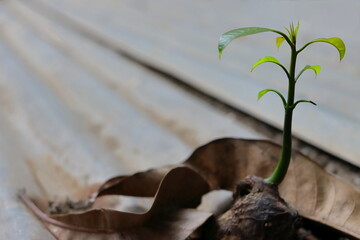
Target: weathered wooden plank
x=43 y=149
x=68 y=89
x=179 y=111
x=62 y=157
x=110 y=117
x=330 y=115
x=49 y=134
x=190 y=40
x=15 y=220
x=48 y=99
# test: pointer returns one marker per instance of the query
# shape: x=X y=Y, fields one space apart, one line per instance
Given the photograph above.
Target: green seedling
x=289 y=103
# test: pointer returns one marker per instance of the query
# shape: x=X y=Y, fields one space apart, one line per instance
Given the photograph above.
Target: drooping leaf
x=229 y=36
x=336 y=42
x=271 y=60
x=303 y=101
x=266 y=59
x=315 y=68
x=279 y=41
x=263 y=92
x=172 y=213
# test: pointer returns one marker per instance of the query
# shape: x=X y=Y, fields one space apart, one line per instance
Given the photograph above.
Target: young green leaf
x=297 y=29
x=263 y=92
x=279 y=41
x=227 y=37
x=336 y=42
x=303 y=101
x=316 y=70
x=288 y=30
x=271 y=60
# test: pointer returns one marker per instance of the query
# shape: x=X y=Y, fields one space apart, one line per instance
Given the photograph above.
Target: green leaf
x=263 y=92
x=297 y=29
x=266 y=59
x=227 y=37
x=279 y=41
x=271 y=60
x=302 y=101
x=315 y=68
x=288 y=30
x=336 y=42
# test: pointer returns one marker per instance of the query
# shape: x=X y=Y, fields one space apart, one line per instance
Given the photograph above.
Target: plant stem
x=282 y=166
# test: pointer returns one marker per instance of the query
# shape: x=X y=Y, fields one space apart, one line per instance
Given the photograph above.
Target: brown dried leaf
x=170 y=214
x=316 y=194
x=178 y=226
x=141 y=184
x=321 y=196
x=224 y=162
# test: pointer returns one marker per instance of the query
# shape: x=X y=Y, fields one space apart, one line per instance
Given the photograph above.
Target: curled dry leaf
x=172 y=214
x=142 y=184
x=316 y=194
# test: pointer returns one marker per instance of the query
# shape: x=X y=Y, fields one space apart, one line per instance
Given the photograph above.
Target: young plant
x=289 y=103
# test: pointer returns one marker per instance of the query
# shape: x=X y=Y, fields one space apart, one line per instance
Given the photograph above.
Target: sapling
x=258 y=211
x=289 y=104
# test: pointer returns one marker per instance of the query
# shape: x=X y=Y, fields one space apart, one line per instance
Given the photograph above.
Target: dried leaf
x=141 y=184
x=170 y=215
x=224 y=162
x=178 y=226
x=322 y=197
x=316 y=194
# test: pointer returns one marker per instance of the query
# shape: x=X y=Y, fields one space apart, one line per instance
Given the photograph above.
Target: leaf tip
x=342 y=55
x=220 y=51
x=261 y=93
x=317 y=69
x=279 y=41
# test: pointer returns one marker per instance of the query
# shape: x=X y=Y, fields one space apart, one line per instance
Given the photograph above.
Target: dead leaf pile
x=177 y=191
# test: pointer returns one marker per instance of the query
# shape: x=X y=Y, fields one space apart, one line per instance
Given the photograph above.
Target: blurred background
x=93 y=89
